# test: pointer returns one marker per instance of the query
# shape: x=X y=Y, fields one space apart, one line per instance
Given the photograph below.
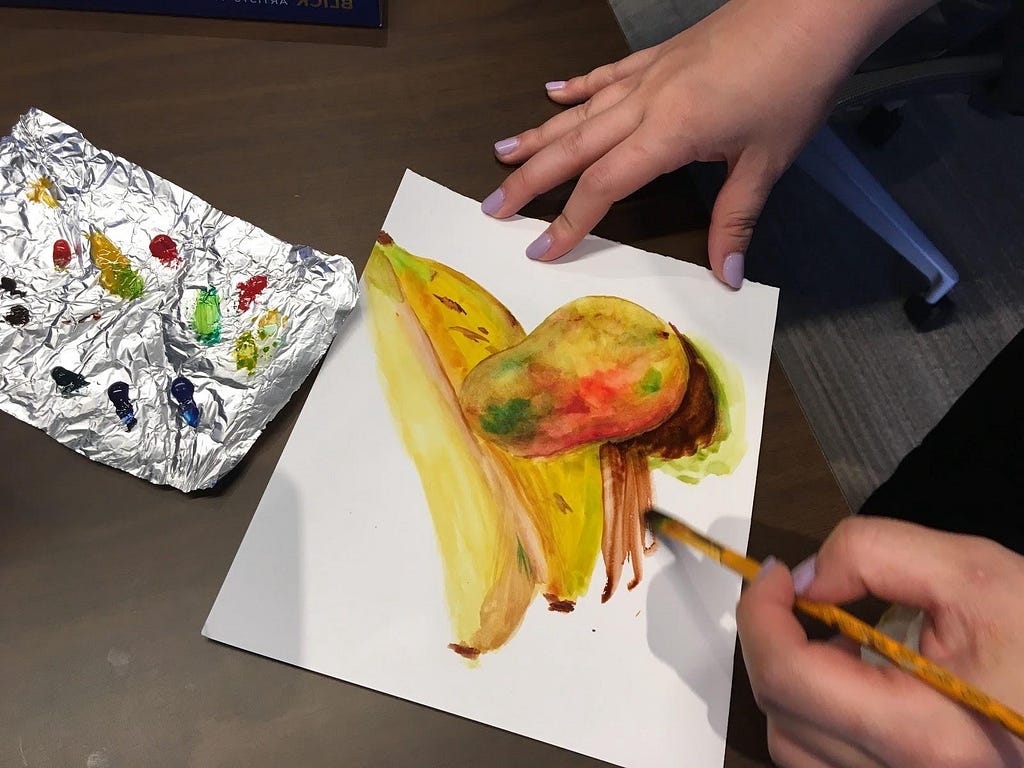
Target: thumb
x=890 y=559
x=736 y=211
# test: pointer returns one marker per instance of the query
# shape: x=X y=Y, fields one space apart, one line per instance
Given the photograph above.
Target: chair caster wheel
x=927 y=317
x=879 y=126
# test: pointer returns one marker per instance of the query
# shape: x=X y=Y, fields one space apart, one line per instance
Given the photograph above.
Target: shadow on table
x=259 y=607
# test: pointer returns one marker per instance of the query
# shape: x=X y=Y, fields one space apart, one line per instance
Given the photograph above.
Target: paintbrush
x=852 y=627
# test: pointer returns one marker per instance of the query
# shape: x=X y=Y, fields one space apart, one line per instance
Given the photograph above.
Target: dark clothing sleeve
x=967 y=475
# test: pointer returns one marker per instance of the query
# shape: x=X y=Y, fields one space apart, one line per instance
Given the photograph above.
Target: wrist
x=848 y=31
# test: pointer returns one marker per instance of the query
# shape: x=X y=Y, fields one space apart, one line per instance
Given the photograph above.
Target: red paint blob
x=249 y=290
x=61 y=254
x=164 y=250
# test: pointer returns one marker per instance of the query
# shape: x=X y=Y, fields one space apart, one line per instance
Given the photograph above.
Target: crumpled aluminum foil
x=93 y=367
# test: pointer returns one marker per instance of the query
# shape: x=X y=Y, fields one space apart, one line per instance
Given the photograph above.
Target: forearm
x=814 y=42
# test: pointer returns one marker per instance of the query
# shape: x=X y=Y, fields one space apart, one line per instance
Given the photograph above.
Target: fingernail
x=555 y=85
x=732 y=269
x=803 y=574
x=539 y=247
x=766 y=565
x=492 y=203
x=505 y=146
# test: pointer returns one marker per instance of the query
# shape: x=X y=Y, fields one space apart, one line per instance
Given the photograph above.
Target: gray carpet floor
x=871 y=385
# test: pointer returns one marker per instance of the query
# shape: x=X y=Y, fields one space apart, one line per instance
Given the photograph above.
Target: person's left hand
x=747 y=85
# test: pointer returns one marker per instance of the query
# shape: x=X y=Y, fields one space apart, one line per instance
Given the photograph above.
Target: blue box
x=349 y=13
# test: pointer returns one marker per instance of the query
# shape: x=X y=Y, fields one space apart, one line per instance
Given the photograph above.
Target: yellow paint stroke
x=39 y=192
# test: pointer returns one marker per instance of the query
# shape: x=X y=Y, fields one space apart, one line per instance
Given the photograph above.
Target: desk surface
x=105 y=581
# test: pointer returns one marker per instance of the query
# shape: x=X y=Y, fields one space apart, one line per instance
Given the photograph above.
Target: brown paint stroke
x=562 y=504
x=468 y=333
x=627 y=488
x=466 y=651
x=451 y=304
x=558 y=605
x=627 y=495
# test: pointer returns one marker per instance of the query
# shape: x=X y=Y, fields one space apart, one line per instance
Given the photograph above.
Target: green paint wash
x=511 y=417
x=246 y=352
x=206 y=317
x=651 y=382
x=730 y=443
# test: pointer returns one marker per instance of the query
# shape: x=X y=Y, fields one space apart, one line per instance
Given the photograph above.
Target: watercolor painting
x=535 y=449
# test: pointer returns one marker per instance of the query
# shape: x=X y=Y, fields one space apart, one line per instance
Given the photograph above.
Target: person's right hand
x=826 y=707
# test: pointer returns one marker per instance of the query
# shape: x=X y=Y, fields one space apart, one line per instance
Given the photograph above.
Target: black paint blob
x=18 y=315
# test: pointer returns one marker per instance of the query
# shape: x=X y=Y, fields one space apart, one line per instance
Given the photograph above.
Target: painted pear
x=599 y=371
x=599 y=368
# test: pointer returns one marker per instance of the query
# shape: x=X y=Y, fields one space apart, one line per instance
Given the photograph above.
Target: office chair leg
x=830 y=162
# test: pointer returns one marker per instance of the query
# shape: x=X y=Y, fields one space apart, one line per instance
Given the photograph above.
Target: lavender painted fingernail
x=505 y=146
x=539 y=247
x=555 y=85
x=732 y=269
x=493 y=202
x=766 y=565
x=804 y=573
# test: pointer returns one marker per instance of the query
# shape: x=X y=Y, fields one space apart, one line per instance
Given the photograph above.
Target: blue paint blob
x=67 y=381
x=118 y=394
x=183 y=391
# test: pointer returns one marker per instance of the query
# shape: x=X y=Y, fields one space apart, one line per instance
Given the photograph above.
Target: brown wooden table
x=105 y=580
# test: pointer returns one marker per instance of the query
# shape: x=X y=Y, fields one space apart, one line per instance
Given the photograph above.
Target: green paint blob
x=206 y=317
x=246 y=352
x=512 y=417
x=651 y=382
x=124 y=282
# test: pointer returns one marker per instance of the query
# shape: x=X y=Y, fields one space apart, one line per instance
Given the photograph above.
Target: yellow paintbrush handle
x=858 y=631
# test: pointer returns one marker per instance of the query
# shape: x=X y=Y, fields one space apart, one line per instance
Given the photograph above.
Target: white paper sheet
x=340 y=573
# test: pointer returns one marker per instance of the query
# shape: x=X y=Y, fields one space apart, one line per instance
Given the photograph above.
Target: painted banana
x=505 y=525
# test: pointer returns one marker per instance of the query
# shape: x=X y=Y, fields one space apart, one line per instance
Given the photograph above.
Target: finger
x=622 y=171
x=567 y=157
x=736 y=211
x=896 y=561
x=817 y=682
x=526 y=144
x=579 y=89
